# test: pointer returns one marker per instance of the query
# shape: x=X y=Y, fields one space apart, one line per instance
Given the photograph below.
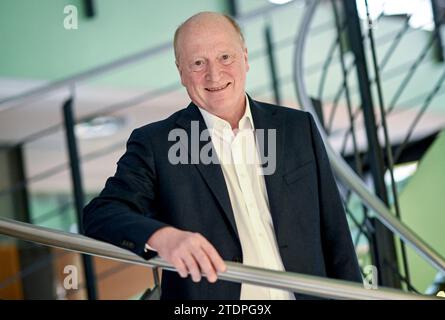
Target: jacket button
x=236 y=259
x=128 y=244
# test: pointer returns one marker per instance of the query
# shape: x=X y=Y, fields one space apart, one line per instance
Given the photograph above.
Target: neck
x=234 y=117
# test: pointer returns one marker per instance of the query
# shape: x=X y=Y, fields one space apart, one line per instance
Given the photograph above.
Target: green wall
x=35 y=44
x=422 y=204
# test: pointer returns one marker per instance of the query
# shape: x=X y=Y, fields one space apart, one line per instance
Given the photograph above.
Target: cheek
x=240 y=70
x=188 y=80
x=195 y=83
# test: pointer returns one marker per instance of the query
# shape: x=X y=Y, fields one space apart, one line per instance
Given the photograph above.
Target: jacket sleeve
x=338 y=249
x=125 y=214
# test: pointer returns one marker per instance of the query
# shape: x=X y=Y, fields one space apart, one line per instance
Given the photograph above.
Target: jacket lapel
x=211 y=173
x=266 y=118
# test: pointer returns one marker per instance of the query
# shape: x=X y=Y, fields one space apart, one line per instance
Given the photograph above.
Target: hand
x=188 y=252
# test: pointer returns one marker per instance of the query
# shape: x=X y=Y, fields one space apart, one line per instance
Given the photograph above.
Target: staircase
x=302 y=47
x=385 y=100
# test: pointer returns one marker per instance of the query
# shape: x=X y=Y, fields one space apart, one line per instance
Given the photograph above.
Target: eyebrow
x=229 y=52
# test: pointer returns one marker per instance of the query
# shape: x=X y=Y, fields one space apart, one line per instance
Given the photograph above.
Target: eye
x=198 y=65
x=226 y=58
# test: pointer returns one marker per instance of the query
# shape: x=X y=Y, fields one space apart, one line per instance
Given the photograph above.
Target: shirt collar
x=216 y=123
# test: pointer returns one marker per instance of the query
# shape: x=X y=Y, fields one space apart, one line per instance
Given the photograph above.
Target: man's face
x=213 y=64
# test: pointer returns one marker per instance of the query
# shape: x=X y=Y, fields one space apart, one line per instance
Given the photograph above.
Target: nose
x=213 y=72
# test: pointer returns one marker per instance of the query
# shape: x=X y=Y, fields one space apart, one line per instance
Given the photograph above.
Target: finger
x=205 y=265
x=192 y=266
x=180 y=267
x=214 y=256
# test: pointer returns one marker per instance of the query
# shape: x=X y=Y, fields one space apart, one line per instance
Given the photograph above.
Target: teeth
x=218 y=88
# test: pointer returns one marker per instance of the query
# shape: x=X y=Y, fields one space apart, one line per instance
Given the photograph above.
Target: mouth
x=220 y=88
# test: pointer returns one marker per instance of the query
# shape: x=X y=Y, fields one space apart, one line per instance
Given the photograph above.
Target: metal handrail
x=284 y=280
x=311 y=285
x=342 y=169
x=5 y=103
x=21 y=98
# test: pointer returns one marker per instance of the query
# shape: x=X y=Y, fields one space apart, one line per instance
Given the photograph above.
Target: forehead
x=208 y=35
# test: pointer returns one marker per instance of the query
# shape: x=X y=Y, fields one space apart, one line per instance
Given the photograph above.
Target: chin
x=216 y=109
x=218 y=102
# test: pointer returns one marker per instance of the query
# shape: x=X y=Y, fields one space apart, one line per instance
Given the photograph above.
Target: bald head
x=212 y=62
x=203 y=20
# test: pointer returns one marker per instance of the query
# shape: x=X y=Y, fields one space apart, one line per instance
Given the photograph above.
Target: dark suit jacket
x=147 y=193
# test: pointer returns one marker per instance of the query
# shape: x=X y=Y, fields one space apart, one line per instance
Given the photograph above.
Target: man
x=196 y=214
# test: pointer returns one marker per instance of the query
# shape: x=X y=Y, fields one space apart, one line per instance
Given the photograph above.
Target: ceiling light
x=419 y=11
x=100 y=127
x=279 y=1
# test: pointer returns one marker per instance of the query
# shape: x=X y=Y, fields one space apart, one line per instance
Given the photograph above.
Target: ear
x=180 y=72
x=177 y=67
x=246 y=59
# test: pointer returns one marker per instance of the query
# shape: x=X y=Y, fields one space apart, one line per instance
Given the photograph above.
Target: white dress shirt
x=239 y=158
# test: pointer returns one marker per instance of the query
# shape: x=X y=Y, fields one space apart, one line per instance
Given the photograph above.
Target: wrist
x=153 y=242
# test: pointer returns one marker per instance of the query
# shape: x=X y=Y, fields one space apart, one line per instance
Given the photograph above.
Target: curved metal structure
x=341 y=169
x=284 y=280
x=322 y=287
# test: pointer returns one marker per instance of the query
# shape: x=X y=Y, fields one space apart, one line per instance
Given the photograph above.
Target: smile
x=215 y=89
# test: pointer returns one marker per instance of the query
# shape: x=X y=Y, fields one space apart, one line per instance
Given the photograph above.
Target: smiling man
x=212 y=61
x=197 y=214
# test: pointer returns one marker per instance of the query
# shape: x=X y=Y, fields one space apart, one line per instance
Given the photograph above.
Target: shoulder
x=287 y=113
x=157 y=129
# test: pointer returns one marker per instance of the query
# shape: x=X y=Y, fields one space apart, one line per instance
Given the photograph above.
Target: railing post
x=438 y=21
x=90 y=8
x=272 y=63
x=16 y=204
x=384 y=253
x=78 y=191
x=232 y=8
